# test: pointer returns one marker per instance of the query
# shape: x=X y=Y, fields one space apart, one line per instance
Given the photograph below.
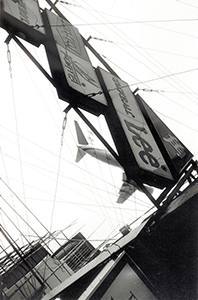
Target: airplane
x=128 y=187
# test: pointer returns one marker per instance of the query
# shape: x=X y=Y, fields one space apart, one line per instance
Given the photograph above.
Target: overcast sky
x=152 y=45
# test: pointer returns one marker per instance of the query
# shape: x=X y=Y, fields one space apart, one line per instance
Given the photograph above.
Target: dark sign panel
x=22 y=18
x=72 y=71
x=171 y=146
x=145 y=155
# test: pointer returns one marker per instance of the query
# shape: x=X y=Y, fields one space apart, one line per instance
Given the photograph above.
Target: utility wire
x=182 y=2
x=16 y=125
x=165 y=76
x=123 y=34
x=142 y=47
x=132 y=21
x=128 y=21
x=58 y=171
x=7 y=177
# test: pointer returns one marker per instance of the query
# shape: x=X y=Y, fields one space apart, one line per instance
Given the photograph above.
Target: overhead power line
x=165 y=76
x=141 y=47
x=182 y=2
x=150 y=59
x=134 y=21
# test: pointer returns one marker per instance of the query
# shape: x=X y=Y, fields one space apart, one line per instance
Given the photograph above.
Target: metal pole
x=144 y=190
x=115 y=155
x=34 y=60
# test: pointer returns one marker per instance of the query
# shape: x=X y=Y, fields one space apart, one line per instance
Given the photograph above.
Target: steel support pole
x=33 y=60
x=115 y=155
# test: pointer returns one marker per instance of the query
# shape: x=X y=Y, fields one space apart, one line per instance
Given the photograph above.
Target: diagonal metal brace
x=33 y=59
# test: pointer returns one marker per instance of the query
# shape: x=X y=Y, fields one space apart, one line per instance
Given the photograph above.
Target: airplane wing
x=126 y=190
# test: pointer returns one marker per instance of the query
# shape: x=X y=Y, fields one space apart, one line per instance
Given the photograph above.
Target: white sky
x=149 y=40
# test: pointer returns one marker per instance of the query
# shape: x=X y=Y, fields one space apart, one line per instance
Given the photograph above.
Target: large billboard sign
x=22 y=18
x=143 y=153
x=72 y=71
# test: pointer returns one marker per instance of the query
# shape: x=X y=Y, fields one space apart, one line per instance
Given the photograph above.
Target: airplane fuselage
x=100 y=154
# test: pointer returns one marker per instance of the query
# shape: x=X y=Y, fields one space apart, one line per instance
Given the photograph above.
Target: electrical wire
x=182 y=2
x=145 y=48
x=123 y=34
x=7 y=178
x=135 y=22
x=58 y=170
x=16 y=124
x=129 y=21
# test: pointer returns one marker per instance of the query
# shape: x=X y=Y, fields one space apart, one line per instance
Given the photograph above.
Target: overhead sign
x=142 y=151
x=173 y=148
x=22 y=18
x=71 y=68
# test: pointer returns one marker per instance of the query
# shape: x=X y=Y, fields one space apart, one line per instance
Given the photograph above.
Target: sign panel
x=70 y=65
x=136 y=130
x=178 y=153
x=23 y=18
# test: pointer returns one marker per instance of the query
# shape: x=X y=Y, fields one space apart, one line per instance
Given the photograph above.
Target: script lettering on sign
x=145 y=154
x=138 y=134
x=23 y=12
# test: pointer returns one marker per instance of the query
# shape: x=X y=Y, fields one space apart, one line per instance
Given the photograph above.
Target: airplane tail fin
x=81 y=141
x=80 y=154
x=80 y=136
